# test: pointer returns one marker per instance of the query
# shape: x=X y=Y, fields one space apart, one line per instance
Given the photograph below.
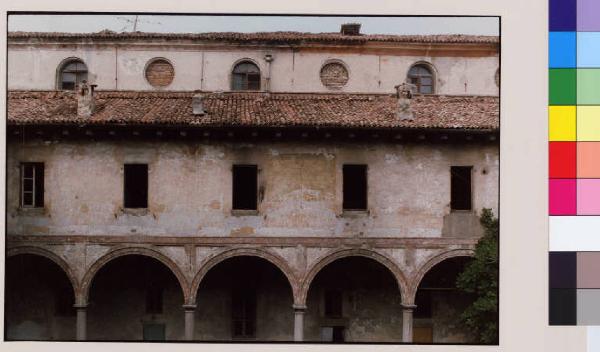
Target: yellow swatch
x=562 y=126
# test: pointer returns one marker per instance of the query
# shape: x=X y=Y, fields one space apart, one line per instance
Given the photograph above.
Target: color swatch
x=574 y=288
x=574 y=162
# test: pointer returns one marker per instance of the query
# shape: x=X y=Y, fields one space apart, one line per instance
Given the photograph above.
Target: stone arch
x=274 y=259
x=51 y=256
x=344 y=253
x=435 y=260
x=124 y=251
x=245 y=60
x=63 y=63
x=431 y=68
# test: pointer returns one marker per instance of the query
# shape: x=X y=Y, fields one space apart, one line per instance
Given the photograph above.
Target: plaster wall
x=33 y=67
x=300 y=189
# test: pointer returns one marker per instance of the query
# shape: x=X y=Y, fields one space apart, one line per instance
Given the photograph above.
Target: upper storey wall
x=300 y=188
x=121 y=66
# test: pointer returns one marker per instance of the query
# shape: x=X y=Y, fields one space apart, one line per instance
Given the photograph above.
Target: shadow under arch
x=50 y=256
x=345 y=253
x=432 y=262
x=125 y=251
x=274 y=259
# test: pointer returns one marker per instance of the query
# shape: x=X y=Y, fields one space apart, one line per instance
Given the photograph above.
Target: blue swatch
x=563 y=49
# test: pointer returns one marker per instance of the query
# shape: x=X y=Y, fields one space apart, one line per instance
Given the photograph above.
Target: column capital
x=189 y=307
x=299 y=308
x=408 y=306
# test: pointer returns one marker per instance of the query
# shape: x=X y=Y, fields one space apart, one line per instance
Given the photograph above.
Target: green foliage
x=480 y=279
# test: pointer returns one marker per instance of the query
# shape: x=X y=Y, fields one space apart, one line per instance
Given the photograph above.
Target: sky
x=195 y=24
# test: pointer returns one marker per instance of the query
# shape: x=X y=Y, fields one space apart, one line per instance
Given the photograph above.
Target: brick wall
x=160 y=73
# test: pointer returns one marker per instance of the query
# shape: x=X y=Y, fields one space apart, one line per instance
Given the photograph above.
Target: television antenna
x=134 y=22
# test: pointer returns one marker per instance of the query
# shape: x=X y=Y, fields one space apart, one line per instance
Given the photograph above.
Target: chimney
x=197 y=105
x=86 y=101
x=350 y=29
x=404 y=95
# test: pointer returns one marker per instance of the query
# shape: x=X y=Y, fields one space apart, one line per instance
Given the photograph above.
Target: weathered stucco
x=300 y=228
x=408 y=189
x=293 y=70
x=300 y=233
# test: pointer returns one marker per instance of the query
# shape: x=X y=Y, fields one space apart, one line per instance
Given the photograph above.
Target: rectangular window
x=243 y=309
x=333 y=304
x=355 y=187
x=136 y=186
x=460 y=187
x=154 y=299
x=32 y=185
x=245 y=187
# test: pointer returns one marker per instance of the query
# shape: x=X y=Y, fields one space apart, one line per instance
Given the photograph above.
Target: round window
x=160 y=73
x=334 y=75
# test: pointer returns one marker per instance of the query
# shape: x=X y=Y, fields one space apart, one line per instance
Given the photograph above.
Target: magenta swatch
x=563 y=197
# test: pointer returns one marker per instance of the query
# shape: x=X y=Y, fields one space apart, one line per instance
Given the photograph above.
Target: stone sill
x=454 y=211
x=32 y=211
x=135 y=211
x=355 y=213
x=244 y=212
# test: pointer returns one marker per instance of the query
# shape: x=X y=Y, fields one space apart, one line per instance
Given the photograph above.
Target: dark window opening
x=355 y=187
x=136 y=186
x=422 y=77
x=338 y=334
x=72 y=74
x=32 y=185
x=245 y=76
x=332 y=333
x=333 y=303
x=154 y=299
x=153 y=332
x=245 y=187
x=243 y=309
x=460 y=187
x=423 y=303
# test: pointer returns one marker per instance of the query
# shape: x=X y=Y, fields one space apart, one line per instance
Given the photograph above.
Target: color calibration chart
x=574 y=152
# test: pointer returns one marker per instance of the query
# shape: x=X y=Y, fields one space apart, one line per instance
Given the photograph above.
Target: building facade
x=246 y=186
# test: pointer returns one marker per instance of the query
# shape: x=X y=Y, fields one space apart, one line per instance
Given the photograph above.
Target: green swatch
x=563 y=85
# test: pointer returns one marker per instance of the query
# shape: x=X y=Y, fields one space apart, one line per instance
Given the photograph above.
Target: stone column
x=299 y=322
x=81 y=329
x=407 y=322
x=190 y=310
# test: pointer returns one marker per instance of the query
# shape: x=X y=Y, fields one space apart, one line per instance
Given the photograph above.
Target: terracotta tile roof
x=255 y=109
x=268 y=37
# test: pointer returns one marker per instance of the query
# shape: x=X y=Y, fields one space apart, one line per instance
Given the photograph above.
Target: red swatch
x=563 y=159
